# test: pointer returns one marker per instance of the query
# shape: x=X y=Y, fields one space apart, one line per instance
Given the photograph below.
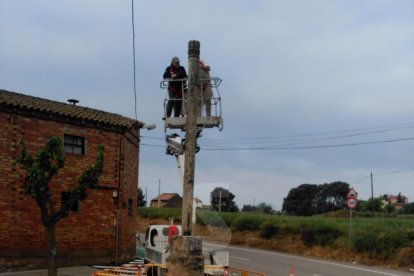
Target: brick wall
x=88 y=236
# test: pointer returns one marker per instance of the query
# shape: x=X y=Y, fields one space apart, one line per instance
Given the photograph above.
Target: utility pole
x=186 y=256
x=191 y=136
x=220 y=201
x=372 y=188
x=372 y=195
x=159 y=192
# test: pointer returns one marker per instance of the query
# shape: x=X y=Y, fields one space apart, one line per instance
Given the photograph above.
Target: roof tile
x=27 y=103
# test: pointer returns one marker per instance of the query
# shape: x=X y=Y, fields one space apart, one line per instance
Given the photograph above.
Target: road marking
x=244 y=259
x=311 y=260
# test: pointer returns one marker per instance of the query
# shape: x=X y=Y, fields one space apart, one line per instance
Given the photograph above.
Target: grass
x=376 y=237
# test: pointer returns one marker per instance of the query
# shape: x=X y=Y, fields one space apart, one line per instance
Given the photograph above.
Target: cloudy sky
x=313 y=91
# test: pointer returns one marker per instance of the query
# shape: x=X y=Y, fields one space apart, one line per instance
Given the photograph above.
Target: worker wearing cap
x=176 y=75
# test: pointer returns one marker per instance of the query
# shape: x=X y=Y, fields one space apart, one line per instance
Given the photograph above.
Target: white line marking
x=244 y=259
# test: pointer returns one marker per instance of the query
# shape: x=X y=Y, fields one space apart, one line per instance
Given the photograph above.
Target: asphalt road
x=280 y=264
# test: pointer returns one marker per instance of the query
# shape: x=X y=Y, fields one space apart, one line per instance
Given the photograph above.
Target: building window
x=130 y=207
x=65 y=198
x=74 y=144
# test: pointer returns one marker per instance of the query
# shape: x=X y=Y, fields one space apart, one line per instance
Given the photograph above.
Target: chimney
x=73 y=101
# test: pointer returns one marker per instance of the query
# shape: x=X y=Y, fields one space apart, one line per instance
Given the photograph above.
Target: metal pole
x=350 y=228
x=191 y=136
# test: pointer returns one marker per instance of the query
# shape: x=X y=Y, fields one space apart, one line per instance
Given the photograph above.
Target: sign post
x=351 y=203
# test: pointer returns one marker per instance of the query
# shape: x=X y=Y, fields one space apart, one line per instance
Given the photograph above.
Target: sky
x=312 y=91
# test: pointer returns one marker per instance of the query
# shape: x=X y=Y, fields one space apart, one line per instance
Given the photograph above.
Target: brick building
x=100 y=229
x=167 y=200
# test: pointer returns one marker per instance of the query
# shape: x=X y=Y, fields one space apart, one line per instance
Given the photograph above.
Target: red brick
x=87 y=236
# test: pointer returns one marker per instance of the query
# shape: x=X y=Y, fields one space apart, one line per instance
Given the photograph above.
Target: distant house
x=198 y=203
x=397 y=201
x=167 y=200
x=101 y=229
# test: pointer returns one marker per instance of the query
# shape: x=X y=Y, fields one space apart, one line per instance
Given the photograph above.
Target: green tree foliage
x=262 y=207
x=311 y=199
x=141 y=198
x=249 y=208
x=409 y=208
x=374 y=205
x=389 y=208
x=265 y=208
x=300 y=201
x=227 y=200
x=40 y=171
x=332 y=197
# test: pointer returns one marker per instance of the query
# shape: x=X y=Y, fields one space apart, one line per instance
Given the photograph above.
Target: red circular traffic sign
x=351 y=203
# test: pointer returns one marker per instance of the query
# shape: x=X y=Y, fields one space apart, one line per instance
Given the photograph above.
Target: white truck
x=157 y=249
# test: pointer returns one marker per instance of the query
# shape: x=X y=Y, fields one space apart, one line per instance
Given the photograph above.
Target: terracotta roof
x=166 y=197
x=21 y=103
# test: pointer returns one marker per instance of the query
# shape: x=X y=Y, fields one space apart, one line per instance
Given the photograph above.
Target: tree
x=300 y=201
x=310 y=199
x=409 y=208
x=332 y=197
x=400 y=198
x=249 y=208
x=226 y=198
x=141 y=198
x=374 y=205
x=260 y=208
x=265 y=208
x=389 y=208
x=40 y=171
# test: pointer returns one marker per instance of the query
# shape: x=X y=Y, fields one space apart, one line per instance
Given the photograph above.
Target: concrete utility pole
x=186 y=256
x=220 y=201
x=191 y=136
x=159 y=193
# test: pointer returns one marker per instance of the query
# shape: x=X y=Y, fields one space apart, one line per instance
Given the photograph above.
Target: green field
x=377 y=236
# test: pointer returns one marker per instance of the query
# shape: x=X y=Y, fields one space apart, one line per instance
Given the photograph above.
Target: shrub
x=379 y=243
x=248 y=223
x=269 y=230
x=320 y=235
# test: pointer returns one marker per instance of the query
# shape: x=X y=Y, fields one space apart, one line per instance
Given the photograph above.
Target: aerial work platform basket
x=209 y=108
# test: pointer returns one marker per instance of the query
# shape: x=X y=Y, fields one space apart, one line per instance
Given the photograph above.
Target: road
x=280 y=264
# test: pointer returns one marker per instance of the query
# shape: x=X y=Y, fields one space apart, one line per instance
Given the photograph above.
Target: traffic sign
x=352 y=193
x=351 y=203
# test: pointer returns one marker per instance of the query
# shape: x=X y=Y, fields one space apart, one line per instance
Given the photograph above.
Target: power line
x=297 y=148
x=357 y=132
x=314 y=147
x=394 y=172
